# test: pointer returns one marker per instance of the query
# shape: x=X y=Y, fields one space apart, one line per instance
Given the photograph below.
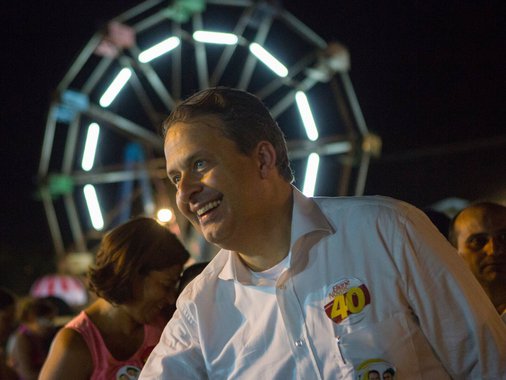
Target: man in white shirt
x=309 y=288
x=479 y=234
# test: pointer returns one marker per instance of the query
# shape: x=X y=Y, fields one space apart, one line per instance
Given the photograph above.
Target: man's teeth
x=208 y=207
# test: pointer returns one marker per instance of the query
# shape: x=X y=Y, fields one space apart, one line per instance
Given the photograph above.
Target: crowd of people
x=302 y=288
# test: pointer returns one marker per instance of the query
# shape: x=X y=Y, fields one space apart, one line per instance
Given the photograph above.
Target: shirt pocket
x=395 y=342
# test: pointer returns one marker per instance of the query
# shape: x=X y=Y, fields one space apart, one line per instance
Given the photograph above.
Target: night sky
x=429 y=77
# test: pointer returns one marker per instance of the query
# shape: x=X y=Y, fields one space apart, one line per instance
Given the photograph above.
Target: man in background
x=479 y=234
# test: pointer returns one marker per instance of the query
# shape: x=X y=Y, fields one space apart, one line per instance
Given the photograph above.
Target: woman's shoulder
x=70 y=339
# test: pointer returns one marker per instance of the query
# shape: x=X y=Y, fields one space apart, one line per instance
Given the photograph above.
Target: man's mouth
x=495 y=265
x=211 y=205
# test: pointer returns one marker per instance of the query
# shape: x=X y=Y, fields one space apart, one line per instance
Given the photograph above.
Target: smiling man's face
x=217 y=185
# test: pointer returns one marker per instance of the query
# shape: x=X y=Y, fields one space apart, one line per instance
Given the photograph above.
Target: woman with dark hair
x=30 y=342
x=135 y=276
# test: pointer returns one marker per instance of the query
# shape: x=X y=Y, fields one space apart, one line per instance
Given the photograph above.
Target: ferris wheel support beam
x=325 y=146
x=124 y=125
x=294 y=70
x=137 y=10
x=355 y=106
x=118 y=176
x=251 y=61
x=149 y=21
x=362 y=173
x=47 y=144
x=177 y=59
x=289 y=98
x=155 y=81
x=70 y=145
x=200 y=54
x=96 y=75
x=80 y=61
x=52 y=220
x=229 y=50
x=141 y=93
x=75 y=226
x=304 y=31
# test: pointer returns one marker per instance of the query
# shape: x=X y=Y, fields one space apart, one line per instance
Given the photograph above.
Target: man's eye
x=175 y=179
x=199 y=164
x=477 y=242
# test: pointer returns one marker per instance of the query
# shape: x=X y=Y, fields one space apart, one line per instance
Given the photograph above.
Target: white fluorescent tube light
x=159 y=49
x=93 y=207
x=306 y=115
x=115 y=87
x=268 y=59
x=311 y=174
x=215 y=37
x=90 y=147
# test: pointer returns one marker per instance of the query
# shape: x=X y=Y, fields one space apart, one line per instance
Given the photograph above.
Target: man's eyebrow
x=477 y=234
x=189 y=160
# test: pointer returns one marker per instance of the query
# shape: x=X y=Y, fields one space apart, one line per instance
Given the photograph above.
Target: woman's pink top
x=104 y=364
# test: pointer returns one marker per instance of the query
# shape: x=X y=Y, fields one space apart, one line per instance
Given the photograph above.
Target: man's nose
x=495 y=246
x=187 y=186
x=498 y=244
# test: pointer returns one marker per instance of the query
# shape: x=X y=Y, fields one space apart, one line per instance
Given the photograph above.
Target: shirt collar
x=307 y=218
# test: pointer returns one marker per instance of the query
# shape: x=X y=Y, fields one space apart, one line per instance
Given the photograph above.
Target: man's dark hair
x=245 y=120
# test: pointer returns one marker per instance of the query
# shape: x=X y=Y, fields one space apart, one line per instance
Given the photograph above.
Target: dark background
x=429 y=77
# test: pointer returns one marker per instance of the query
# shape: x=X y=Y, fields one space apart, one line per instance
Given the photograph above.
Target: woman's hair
x=130 y=250
x=245 y=120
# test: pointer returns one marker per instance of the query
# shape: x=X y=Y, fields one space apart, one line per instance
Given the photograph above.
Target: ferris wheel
x=102 y=154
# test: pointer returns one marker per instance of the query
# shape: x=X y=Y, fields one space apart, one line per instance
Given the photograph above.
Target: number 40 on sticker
x=351 y=302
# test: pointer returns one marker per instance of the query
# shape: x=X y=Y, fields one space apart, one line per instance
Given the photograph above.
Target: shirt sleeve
x=178 y=354
x=454 y=312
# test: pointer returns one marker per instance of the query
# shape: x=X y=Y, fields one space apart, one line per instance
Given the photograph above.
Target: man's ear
x=266 y=158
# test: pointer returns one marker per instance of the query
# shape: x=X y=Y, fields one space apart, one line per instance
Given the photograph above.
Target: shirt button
x=299 y=343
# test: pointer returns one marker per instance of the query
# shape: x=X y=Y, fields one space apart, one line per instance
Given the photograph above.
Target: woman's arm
x=68 y=358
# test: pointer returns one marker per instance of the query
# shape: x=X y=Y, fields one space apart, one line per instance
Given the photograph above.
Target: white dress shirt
x=371 y=285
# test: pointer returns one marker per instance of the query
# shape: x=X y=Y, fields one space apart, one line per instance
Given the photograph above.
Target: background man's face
x=481 y=238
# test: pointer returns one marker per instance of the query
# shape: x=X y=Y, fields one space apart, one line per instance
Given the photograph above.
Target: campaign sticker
x=128 y=372
x=348 y=300
x=376 y=369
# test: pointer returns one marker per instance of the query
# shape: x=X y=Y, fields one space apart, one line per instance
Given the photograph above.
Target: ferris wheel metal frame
x=129 y=168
